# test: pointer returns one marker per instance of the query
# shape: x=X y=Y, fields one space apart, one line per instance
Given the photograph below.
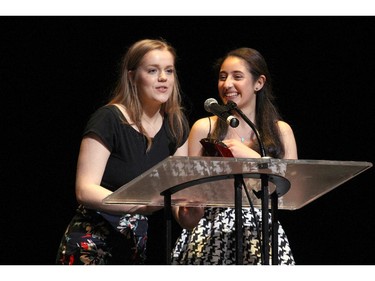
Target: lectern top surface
x=208 y=181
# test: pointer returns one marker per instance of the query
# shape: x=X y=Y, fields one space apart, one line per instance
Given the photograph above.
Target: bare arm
x=240 y=150
x=92 y=160
x=198 y=131
x=188 y=217
x=182 y=150
x=288 y=140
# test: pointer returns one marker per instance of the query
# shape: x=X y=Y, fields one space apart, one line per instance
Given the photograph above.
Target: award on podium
x=208 y=182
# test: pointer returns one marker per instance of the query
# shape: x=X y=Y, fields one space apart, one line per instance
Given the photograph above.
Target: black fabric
x=128 y=157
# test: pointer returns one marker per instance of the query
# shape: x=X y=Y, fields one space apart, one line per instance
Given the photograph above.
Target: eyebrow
x=235 y=72
x=158 y=65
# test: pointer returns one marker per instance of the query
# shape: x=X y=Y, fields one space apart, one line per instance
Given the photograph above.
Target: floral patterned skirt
x=213 y=240
x=93 y=238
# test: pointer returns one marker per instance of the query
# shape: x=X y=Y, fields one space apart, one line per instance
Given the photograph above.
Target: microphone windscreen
x=208 y=103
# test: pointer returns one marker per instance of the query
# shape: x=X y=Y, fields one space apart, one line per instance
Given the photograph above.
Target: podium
x=208 y=181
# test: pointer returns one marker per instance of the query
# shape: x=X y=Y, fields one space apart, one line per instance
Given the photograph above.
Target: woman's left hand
x=240 y=150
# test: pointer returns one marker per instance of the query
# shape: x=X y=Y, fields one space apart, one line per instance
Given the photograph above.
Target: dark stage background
x=55 y=71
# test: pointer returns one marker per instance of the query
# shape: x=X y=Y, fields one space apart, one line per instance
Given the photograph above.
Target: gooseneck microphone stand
x=265 y=197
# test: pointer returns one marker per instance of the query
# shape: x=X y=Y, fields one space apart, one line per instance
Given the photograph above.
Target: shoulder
x=205 y=123
x=106 y=110
x=202 y=128
x=284 y=127
x=111 y=113
x=119 y=108
x=105 y=118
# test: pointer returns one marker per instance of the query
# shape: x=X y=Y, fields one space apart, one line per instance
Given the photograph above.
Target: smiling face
x=237 y=84
x=155 y=77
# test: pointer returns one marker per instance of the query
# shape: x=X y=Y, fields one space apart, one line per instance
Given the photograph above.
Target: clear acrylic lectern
x=208 y=181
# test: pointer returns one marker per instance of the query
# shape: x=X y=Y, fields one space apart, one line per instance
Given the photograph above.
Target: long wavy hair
x=126 y=93
x=266 y=112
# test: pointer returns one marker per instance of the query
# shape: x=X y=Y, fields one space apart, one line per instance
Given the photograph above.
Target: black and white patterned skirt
x=213 y=240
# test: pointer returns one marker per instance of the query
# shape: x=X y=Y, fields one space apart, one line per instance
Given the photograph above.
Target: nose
x=162 y=76
x=228 y=84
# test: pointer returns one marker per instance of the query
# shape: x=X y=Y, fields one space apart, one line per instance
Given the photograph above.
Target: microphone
x=233 y=106
x=221 y=111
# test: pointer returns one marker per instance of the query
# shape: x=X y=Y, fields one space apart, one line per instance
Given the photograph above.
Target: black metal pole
x=264 y=182
x=275 y=229
x=168 y=226
x=238 y=180
x=265 y=221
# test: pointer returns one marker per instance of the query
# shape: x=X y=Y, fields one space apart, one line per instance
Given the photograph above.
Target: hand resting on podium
x=188 y=217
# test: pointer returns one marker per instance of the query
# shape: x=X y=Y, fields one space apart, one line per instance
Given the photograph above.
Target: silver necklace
x=243 y=138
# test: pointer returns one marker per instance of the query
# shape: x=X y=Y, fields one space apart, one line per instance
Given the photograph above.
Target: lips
x=162 y=89
x=231 y=95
